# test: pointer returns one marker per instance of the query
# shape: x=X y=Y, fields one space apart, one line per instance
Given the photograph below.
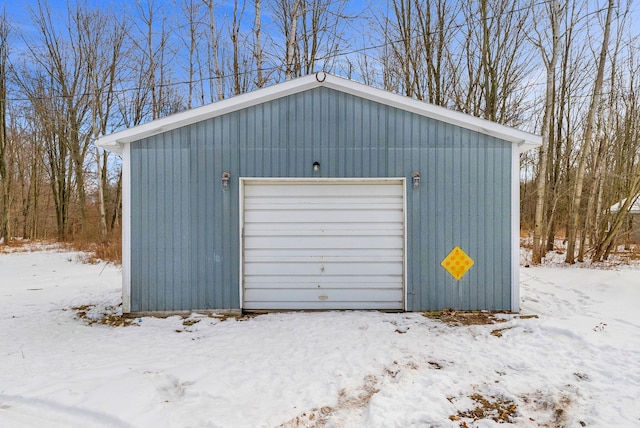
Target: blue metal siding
x=185 y=229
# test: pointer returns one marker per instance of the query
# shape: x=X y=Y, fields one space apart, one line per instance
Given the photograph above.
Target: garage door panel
x=346 y=205
x=331 y=252
x=355 y=268
x=328 y=305
x=294 y=256
x=265 y=189
x=324 y=231
x=310 y=245
x=303 y=242
x=313 y=216
x=295 y=228
x=339 y=282
x=256 y=281
x=335 y=202
x=323 y=295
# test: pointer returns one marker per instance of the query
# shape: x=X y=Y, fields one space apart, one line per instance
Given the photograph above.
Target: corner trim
x=126 y=229
x=515 y=229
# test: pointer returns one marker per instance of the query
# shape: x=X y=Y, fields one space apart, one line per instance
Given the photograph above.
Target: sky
x=357 y=37
x=19 y=13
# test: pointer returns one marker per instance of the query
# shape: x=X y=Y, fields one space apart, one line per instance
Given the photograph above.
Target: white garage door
x=323 y=244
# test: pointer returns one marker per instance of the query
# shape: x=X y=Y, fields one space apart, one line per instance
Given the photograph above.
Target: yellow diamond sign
x=457 y=263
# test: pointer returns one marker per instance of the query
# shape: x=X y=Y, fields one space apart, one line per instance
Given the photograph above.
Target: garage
x=323 y=244
x=319 y=193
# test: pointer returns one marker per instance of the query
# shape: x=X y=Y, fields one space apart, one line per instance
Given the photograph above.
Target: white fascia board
x=114 y=142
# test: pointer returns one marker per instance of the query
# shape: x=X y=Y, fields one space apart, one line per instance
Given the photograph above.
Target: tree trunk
x=590 y=224
x=292 y=39
x=4 y=179
x=257 y=48
x=217 y=89
x=235 y=41
x=103 y=216
x=539 y=226
x=588 y=139
x=117 y=202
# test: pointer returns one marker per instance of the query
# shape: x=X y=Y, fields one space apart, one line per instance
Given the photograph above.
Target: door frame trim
x=291 y=180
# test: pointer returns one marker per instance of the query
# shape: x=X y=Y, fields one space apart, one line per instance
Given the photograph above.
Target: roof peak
x=115 y=142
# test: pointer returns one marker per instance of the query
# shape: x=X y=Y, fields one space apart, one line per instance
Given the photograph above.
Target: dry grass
x=15 y=243
x=498 y=409
x=19 y=245
x=95 y=251
x=498 y=331
x=110 y=316
x=452 y=317
x=238 y=316
x=92 y=250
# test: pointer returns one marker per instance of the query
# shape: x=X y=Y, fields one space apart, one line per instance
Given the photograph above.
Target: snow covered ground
x=577 y=364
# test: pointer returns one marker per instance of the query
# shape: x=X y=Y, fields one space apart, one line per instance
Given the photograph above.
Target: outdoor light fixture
x=316 y=167
x=225 y=181
x=416 y=180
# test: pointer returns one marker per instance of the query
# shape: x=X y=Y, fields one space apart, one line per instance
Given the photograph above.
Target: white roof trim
x=114 y=142
x=633 y=209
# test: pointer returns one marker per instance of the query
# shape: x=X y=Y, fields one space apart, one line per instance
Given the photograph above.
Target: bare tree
x=405 y=55
x=420 y=37
x=4 y=178
x=239 y=63
x=311 y=33
x=321 y=33
x=47 y=131
x=605 y=138
x=217 y=89
x=71 y=86
x=19 y=155
x=190 y=36
x=288 y=13
x=554 y=13
x=574 y=74
x=588 y=138
x=497 y=61
x=623 y=163
x=435 y=31
x=258 y=52
x=105 y=55
x=155 y=59
x=59 y=97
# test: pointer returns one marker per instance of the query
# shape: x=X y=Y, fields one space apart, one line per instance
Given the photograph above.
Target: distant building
x=630 y=232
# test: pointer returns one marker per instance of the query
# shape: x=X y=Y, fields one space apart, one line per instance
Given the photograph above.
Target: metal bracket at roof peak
x=321 y=76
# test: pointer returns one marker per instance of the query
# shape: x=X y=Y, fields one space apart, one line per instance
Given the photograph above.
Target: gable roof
x=116 y=141
x=633 y=209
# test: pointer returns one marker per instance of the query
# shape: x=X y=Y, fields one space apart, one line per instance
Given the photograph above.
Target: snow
x=577 y=364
